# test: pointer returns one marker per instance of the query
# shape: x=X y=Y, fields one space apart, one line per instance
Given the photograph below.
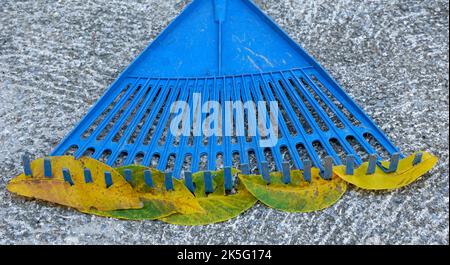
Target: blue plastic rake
x=228 y=50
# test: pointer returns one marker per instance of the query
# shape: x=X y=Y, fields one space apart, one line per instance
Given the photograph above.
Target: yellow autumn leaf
x=299 y=195
x=158 y=202
x=219 y=206
x=405 y=174
x=82 y=196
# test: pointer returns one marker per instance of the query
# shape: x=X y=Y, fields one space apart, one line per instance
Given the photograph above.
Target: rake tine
x=208 y=182
x=417 y=159
x=328 y=168
x=394 y=162
x=108 y=179
x=128 y=175
x=245 y=169
x=168 y=181
x=27 y=166
x=372 y=164
x=307 y=165
x=350 y=165
x=87 y=176
x=67 y=177
x=286 y=172
x=228 y=178
x=188 y=181
x=148 y=178
x=265 y=172
x=47 y=168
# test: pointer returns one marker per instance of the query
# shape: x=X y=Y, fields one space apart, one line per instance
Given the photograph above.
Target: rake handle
x=220 y=10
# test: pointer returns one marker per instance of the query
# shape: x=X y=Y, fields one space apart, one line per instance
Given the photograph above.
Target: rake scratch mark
x=265 y=59
x=254 y=63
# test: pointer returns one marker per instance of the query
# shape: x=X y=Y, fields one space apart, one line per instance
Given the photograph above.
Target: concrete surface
x=57 y=58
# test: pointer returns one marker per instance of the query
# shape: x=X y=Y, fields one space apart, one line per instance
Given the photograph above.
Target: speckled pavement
x=58 y=57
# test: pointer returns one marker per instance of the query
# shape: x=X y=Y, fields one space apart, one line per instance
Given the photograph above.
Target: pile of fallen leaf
x=135 y=199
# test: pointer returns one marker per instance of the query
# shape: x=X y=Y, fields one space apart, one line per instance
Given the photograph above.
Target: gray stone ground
x=57 y=58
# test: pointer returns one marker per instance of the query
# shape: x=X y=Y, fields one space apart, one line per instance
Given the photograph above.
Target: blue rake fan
x=229 y=50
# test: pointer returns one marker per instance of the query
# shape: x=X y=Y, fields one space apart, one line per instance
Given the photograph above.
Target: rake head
x=229 y=51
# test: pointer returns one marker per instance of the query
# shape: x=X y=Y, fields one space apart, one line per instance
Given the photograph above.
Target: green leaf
x=299 y=195
x=158 y=202
x=218 y=206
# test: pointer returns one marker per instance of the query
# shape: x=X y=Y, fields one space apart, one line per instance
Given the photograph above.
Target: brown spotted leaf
x=82 y=196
